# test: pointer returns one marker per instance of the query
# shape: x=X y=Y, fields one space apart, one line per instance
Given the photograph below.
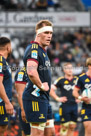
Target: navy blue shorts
x=25 y=126
x=68 y=112
x=86 y=112
x=4 y=117
x=37 y=111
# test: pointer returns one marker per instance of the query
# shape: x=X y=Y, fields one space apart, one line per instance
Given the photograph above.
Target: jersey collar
x=38 y=44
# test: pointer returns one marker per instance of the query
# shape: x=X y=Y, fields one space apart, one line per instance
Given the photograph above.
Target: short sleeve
x=78 y=83
x=20 y=77
x=33 y=53
x=57 y=83
x=2 y=66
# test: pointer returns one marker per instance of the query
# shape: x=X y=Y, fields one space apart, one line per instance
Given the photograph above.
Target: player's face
x=68 y=70
x=9 y=49
x=45 y=38
x=89 y=66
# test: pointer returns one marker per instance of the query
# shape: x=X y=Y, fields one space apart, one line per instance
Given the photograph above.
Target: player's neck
x=4 y=54
x=40 y=44
x=69 y=77
x=88 y=72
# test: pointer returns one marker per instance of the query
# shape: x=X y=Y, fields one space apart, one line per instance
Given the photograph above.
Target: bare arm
x=34 y=77
x=76 y=92
x=20 y=88
x=54 y=95
x=3 y=95
x=76 y=95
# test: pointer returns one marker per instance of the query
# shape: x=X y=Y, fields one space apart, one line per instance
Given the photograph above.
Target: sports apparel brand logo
x=86 y=117
x=66 y=82
x=41 y=116
x=6 y=119
x=87 y=80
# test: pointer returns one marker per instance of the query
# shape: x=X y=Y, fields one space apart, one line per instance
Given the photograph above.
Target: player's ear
x=8 y=47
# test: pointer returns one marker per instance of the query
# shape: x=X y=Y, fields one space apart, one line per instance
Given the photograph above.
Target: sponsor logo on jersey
x=34 y=54
x=1 y=67
x=47 y=63
x=20 y=76
x=69 y=87
x=88 y=86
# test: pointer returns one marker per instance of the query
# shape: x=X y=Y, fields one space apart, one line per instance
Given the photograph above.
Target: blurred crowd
x=28 y=4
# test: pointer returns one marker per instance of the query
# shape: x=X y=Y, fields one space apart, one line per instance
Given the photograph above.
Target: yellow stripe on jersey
x=1 y=58
x=60 y=111
x=82 y=75
x=1 y=110
x=59 y=79
x=76 y=77
x=34 y=46
x=35 y=106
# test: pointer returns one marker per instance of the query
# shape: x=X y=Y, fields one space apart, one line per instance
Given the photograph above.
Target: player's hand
x=86 y=100
x=9 y=108
x=23 y=115
x=77 y=101
x=62 y=99
x=45 y=86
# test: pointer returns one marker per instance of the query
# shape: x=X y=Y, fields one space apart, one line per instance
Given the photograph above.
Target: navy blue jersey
x=84 y=82
x=36 y=53
x=21 y=76
x=5 y=71
x=66 y=87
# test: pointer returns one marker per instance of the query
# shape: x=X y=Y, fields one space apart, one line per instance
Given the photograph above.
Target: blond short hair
x=88 y=61
x=66 y=64
x=42 y=23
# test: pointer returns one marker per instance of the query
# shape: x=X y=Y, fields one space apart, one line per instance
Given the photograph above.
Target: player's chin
x=48 y=43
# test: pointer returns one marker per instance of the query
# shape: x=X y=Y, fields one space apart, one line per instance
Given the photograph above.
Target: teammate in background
x=84 y=82
x=6 y=107
x=36 y=95
x=68 y=108
x=21 y=80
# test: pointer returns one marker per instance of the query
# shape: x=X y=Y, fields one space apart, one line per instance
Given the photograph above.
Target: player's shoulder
x=2 y=60
x=34 y=46
x=82 y=75
x=21 y=71
x=75 y=77
x=60 y=78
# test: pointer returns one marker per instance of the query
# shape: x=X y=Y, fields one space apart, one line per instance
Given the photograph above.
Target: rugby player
x=68 y=107
x=21 y=80
x=36 y=95
x=6 y=107
x=84 y=82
